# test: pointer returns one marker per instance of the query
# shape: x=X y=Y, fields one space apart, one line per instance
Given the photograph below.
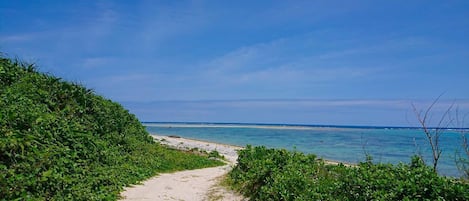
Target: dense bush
x=273 y=174
x=60 y=141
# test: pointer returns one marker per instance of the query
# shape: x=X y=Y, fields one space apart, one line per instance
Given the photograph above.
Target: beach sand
x=189 y=185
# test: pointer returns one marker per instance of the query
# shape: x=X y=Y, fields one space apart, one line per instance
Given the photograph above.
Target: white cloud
x=309 y=111
x=96 y=62
x=120 y=82
x=16 y=38
x=157 y=24
x=286 y=61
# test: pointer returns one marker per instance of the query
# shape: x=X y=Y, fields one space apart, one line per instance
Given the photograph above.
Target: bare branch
x=462 y=161
x=433 y=135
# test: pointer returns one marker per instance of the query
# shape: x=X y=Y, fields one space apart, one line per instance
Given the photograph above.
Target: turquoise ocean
x=347 y=144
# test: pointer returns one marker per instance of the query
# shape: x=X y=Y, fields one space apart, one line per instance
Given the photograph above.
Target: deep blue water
x=339 y=143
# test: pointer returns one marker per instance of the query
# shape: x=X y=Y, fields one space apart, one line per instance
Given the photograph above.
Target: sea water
x=338 y=143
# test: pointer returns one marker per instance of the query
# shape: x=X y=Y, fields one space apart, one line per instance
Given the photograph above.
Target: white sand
x=190 y=185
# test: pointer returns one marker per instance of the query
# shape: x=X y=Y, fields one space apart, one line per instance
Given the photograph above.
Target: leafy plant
x=61 y=141
x=277 y=174
x=215 y=154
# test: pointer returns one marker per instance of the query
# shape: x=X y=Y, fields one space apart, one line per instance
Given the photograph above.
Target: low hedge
x=278 y=174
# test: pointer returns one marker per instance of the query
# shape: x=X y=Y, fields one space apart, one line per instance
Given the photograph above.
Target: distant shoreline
x=227 y=150
x=280 y=126
x=331 y=143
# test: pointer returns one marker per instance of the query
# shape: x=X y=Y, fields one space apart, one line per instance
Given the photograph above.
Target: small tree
x=433 y=133
x=462 y=158
x=461 y=161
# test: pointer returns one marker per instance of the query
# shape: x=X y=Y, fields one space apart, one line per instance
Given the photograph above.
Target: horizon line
x=297 y=99
x=300 y=125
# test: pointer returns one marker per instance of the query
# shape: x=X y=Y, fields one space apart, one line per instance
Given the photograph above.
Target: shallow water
x=346 y=144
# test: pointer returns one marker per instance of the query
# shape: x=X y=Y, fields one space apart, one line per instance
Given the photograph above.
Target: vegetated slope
x=60 y=141
x=274 y=174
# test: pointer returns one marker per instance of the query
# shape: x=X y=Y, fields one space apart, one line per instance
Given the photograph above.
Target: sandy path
x=190 y=185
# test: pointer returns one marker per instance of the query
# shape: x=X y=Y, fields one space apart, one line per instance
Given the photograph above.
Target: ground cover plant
x=61 y=141
x=278 y=174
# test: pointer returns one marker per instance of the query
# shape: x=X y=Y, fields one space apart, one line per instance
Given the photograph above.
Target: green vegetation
x=274 y=174
x=212 y=154
x=60 y=141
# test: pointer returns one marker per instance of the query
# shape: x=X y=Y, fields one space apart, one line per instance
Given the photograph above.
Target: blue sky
x=306 y=62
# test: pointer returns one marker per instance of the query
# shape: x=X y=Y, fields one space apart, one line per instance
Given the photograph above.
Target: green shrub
x=271 y=174
x=60 y=141
x=215 y=154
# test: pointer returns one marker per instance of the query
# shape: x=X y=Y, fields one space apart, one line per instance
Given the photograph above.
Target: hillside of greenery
x=278 y=174
x=61 y=141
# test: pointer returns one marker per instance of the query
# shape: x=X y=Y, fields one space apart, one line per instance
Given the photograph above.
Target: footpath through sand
x=189 y=185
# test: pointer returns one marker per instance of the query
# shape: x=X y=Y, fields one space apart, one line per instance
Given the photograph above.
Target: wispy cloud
x=96 y=62
x=128 y=87
x=307 y=111
x=378 y=103
x=309 y=58
x=16 y=38
x=268 y=62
